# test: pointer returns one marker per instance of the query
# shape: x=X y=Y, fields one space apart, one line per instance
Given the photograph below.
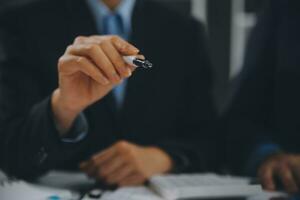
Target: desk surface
x=78 y=182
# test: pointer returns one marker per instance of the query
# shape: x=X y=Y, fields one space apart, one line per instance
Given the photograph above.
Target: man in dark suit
x=264 y=115
x=158 y=121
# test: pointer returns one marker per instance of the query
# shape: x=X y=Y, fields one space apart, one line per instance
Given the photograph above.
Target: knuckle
x=80 y=60
x=104 y=43
x=91 y=48
x=64 y=62
x=114 y=38
x=79 y=39
x=69 y=48
x=122 y=145
x=61 y=61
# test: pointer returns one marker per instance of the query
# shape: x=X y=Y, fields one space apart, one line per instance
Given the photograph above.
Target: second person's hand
x=284 y=167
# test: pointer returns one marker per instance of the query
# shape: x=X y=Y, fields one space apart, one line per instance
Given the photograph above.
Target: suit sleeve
x=194 y=146
x=30 y=143
x=251 y=107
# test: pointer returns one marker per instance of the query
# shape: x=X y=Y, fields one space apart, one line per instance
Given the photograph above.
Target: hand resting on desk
x=285 y=167
x=125 y=164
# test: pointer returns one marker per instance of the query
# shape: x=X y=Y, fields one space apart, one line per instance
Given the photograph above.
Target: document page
x=132 y=193
x=14 y=190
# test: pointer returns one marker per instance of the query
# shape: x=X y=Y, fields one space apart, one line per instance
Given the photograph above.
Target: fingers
x=124 y=47
x=283 y=166
x=120 y=174
x=116 y=59
x=97 y=55
x=92 y=166
x=106 y=53
x=71 y=64
x=111 y=166
x=89 y=169
x=288 y=180
x=104 y=156
x=296 y=174
x=265 y=175
x=120 y=165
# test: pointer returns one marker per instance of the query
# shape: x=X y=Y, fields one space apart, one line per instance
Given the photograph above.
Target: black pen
x=137 y=62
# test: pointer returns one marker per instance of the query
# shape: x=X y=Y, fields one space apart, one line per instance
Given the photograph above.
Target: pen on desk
x=137 y=62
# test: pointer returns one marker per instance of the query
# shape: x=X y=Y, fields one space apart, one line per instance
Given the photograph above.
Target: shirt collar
x=100 y=10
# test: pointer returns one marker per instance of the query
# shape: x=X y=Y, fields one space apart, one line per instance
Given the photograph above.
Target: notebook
x=192 y=186
x=202 y=186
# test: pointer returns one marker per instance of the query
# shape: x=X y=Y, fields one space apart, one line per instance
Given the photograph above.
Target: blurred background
x=228 y=23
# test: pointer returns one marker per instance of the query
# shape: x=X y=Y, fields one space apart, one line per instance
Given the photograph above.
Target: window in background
x=199 y=10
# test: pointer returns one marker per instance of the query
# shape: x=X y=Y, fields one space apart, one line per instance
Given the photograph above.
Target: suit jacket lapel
x=82 y=21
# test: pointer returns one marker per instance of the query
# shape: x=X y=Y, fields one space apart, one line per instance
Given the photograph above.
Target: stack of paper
x=202 y=186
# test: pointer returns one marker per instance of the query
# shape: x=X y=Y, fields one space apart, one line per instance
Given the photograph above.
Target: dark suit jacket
x=266 y=106
x=169 y=106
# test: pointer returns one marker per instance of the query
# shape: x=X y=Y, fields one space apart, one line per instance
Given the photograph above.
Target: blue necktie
x=113 y=25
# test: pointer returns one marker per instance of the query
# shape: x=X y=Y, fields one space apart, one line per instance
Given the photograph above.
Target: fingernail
x=142 y=57
x=116 y=77
x=136 y=50
x=125 y=72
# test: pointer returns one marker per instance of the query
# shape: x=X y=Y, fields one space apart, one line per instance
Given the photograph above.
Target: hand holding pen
x=88 y=70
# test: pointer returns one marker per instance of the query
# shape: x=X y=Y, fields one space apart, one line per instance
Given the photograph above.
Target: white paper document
x=132 y=193
x=66 y=180
x=202 y=186
x=20 y=190
x=166 y=187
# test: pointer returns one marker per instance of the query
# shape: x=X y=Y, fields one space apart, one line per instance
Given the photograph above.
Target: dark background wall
x=6 y=3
